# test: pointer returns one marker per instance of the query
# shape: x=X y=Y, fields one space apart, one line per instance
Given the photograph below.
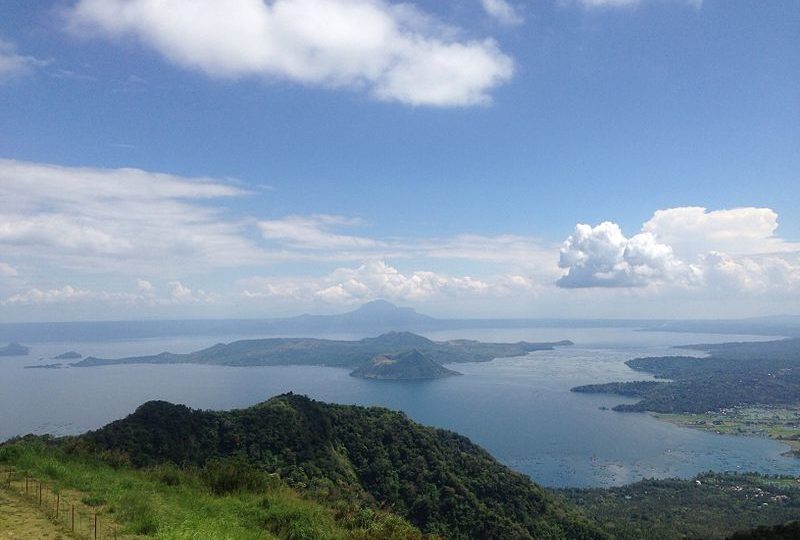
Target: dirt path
x=21 y=521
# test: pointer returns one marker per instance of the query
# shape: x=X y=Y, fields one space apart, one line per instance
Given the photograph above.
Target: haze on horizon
x=563 y=159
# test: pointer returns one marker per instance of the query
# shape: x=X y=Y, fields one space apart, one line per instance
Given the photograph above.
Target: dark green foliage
x=789 y=531
x=234 y=474
x=307 y=351
x=711 y=506
x=437 y=479
x=736 y=374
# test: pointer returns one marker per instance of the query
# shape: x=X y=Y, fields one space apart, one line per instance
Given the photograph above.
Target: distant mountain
x=376 y=314
x=14 y=349
x=328 y=352
x=407 y=366
x=373 y=318
x=70 y=355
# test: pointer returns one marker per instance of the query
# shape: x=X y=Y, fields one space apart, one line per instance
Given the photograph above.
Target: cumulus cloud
x=376 y=279
x=145 y=294
x=755 y=274
x=118 y=219
x=14 y=65
x=691 y=230
x=393 y=51
x=602 y=256
x=145 y=287
x=734 y=249
x=502 y=11
x=66 y=293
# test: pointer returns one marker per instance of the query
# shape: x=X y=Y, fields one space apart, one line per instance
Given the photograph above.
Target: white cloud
x=145 y=294
x=755 y=274
x=118 y=219
x=393 y=51
x=502 y=11
x=179 y=291
x=66 y=293
x=14 y=65
x=145 y=287
x=691 y=230
x=732 y=250
x=6 y=270
x=602 y=256
x=376 y=279
x=314 y=232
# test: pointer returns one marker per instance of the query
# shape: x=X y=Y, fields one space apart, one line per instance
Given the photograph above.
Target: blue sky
x=437 y=154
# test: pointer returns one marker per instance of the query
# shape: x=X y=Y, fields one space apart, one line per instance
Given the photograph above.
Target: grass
x=174 y=504
x=19 y=520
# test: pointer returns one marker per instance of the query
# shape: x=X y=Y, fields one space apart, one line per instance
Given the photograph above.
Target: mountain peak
x=380 y=306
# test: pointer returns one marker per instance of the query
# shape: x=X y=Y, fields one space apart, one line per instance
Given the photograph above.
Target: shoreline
x=781 y=424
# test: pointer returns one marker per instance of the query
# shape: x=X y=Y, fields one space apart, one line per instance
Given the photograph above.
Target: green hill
x=438 y=480
x=407 y=366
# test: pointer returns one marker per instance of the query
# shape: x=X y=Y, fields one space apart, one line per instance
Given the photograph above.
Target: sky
x=503 y=158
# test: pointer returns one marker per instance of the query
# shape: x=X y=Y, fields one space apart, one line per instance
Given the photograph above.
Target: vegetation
x=167 y=502
x=407 y=366
x=779 y=423
x=343 y=457
x=788 y=531
x=735 y=375
x=353 y=354
x=711 y=506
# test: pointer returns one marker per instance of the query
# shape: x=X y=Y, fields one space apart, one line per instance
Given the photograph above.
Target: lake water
x=520 y=409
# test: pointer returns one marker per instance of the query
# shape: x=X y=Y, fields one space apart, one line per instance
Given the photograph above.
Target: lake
x=519 y=409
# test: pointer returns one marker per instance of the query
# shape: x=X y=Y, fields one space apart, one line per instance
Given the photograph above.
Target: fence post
x=40 y=492
x=26 y=483
x=58 y=504
x=95 y=526
x=73 y=518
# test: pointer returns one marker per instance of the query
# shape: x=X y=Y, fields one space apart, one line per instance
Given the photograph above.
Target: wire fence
x=80 y=519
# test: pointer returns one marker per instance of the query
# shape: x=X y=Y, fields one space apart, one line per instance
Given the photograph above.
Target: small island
x=71 y=355
x=14 y=349
x=405 y=366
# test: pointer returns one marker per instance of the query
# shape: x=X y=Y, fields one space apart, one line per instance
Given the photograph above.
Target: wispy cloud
x=315 y=232
x=502 y=11
x=118 y=219
x=393 y=51
x=14 y=65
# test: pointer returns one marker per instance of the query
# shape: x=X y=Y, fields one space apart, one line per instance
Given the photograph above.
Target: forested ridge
x=437 y=479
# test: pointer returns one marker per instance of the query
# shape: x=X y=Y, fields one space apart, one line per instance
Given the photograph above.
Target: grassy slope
x=168 y=503
x=19 y=520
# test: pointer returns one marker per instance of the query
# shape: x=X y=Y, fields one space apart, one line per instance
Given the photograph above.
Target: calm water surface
x=520 y=409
